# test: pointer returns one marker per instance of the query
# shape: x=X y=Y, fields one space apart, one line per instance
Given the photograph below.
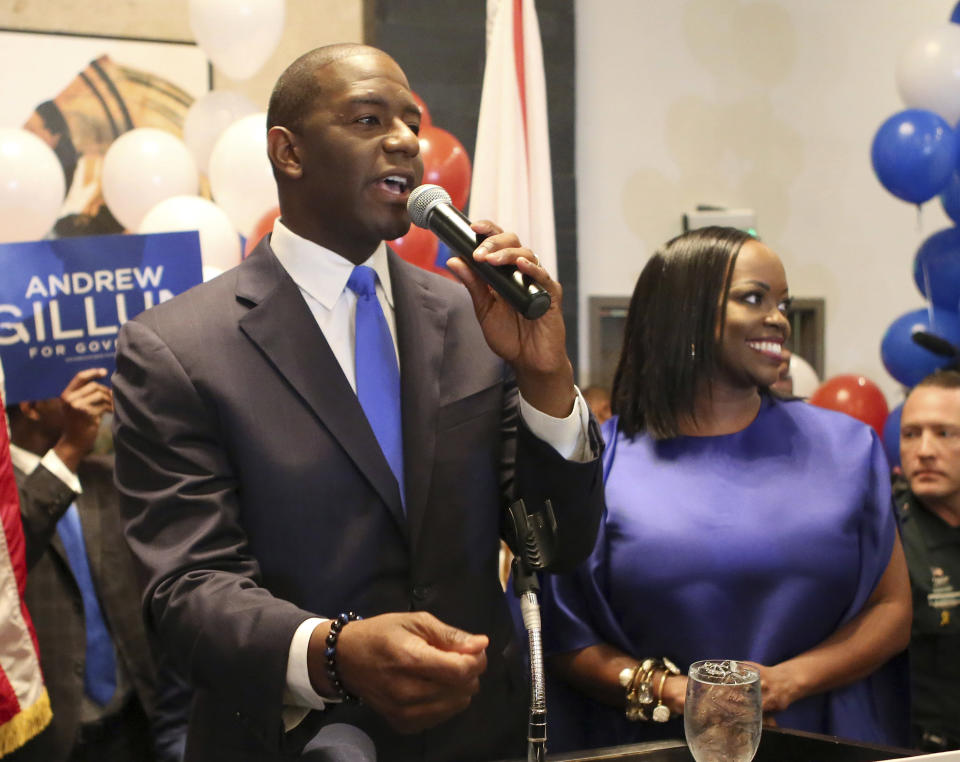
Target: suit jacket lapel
x=421 y=323
x=55 y=543
x=280 y=324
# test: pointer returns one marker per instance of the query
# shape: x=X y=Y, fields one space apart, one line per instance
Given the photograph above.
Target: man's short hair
x=945 y=378
x=297 y=86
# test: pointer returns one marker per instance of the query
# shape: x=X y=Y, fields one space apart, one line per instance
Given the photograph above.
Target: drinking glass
x=722 y=713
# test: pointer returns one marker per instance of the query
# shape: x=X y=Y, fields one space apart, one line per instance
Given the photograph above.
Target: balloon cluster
x=445 y=163
x=916 y=156
x=915 y=151
x=151 y=179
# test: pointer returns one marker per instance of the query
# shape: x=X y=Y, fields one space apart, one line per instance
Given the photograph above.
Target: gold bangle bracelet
x=661 y=713
x=637 y=682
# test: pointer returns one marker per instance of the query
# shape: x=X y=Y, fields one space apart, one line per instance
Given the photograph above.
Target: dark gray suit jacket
x=54 y=600
x=256 y=496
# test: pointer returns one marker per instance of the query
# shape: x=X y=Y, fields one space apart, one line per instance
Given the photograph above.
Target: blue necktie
x=378 y=376
x=100 y=675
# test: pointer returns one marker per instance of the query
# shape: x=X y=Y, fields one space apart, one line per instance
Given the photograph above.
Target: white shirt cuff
x=300 y=697
x=568 y=436
x=51 y=461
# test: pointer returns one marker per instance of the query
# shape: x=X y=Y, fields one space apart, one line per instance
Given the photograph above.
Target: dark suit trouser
x=124 y=738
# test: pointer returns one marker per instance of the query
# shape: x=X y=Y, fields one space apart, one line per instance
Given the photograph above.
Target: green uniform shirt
x=932 y=548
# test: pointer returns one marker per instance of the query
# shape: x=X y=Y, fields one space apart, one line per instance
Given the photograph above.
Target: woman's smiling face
x=755 y=324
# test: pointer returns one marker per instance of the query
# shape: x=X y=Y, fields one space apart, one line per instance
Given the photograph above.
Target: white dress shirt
x=321 y=276
x=28 y=461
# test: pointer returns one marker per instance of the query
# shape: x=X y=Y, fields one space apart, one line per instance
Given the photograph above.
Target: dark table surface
x=776 y=745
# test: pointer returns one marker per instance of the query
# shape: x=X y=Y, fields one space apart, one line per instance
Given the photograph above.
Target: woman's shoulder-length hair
x=673 y=325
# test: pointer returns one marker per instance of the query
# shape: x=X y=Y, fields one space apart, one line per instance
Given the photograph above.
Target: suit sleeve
x=179 y=498
x=574 y=489
x=44 y=498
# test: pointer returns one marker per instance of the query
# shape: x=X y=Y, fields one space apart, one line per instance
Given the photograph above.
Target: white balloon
x=219 y=240
x=142 y=168
x=928 y=72
x=32 y=186
x=208 y=117
x=210 y=272
x=241 y=178
x=805 y=378
x=238 y=36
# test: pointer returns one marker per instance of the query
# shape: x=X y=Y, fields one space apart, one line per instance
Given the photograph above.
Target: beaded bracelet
x=330 y=654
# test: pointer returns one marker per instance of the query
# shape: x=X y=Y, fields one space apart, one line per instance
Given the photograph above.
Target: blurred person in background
x=598 y=398
x=929 y=513
x=82 y=589
x=784 y=383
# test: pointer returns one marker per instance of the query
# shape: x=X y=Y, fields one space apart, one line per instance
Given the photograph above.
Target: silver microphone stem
x=537 y=729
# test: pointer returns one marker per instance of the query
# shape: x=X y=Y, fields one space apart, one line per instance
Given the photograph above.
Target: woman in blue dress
x=739 y=525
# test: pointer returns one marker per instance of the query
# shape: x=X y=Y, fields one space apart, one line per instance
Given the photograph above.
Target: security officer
x=929 y=512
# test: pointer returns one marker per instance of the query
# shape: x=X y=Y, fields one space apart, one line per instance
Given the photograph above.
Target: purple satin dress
x=756 y=545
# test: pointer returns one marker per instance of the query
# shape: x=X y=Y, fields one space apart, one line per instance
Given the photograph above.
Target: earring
x=693 y=351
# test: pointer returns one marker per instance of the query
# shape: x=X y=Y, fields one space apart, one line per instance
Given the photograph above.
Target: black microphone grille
x=422 y=200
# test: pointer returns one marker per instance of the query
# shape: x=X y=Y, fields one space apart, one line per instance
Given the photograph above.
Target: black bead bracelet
x=330 y=654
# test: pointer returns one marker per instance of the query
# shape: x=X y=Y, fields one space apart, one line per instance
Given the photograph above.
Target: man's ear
x=283 y=152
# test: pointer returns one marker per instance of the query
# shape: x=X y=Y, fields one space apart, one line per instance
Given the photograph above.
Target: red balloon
x=264 y=225
x=445 y=163
x=425 y=120
x=418 y=246
x=856 y=396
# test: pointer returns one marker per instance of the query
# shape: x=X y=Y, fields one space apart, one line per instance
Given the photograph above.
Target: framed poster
x=80 y=92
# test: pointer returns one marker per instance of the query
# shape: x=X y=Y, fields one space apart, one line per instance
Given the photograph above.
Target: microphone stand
x=534 y=536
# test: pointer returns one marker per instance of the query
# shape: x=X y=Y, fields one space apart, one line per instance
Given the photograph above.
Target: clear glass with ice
x=722 y=713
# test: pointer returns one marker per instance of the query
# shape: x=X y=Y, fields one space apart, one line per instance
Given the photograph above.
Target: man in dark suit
x=74 y=578
x=261 y=498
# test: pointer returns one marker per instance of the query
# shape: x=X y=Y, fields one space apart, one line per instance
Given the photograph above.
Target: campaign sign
x=63 y=301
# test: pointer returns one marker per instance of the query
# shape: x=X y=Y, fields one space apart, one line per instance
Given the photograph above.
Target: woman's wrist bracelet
x=661 y=713
x=330 y=654
x=637 y=683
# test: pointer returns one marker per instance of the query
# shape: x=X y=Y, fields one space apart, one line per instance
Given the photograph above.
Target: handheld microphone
x=430 y=207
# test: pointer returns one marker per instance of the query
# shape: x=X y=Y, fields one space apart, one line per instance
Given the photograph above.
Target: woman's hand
x=675 y=693
x=778 y=686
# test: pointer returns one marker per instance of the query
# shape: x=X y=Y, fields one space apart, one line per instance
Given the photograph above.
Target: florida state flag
x=511 y=168
x=24 y=704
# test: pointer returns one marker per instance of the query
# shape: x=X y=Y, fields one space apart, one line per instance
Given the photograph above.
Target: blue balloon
x=955 y=16
x=443 y=254
x=907 y=361
x=950 y=197
x=891 y=436
x=914 y=154
x=937 y=265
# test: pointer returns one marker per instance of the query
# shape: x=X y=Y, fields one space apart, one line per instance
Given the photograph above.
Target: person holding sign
x=81 y=586
x=316 y=447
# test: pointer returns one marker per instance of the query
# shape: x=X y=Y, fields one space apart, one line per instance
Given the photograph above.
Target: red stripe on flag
x=518 y=62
